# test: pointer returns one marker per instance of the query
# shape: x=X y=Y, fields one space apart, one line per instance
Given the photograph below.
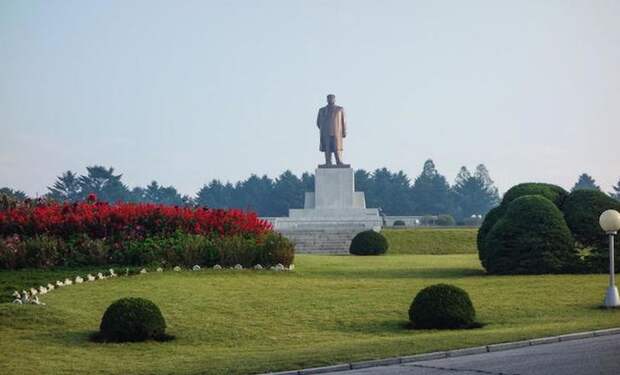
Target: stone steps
x=321 y=241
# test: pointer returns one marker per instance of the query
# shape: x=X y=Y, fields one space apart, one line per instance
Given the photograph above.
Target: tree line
x=472 y=193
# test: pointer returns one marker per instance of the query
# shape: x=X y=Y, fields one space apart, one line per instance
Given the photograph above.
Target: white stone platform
x=332 y=215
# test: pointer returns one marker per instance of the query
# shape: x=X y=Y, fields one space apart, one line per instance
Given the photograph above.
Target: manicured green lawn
x=432 y=240
x=331 y=309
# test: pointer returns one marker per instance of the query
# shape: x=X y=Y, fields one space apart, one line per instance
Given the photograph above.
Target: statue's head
x=331 y=99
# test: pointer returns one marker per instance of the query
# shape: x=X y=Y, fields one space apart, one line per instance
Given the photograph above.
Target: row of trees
x=473 y=193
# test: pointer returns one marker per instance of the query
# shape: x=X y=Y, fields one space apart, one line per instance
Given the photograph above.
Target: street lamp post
x=610 y=222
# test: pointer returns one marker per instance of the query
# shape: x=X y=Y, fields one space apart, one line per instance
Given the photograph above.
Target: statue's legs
x=338 y=155
x=328 y=158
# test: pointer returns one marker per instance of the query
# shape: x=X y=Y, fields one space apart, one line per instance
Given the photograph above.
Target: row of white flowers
x=32 y=295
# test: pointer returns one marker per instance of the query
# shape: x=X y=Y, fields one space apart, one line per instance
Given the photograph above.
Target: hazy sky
x=184 y=92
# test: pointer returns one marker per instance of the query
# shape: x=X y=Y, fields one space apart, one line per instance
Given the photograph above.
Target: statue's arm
x=344 y=125
x=318 y=120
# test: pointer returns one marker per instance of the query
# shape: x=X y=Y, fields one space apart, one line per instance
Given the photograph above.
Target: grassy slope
x=331 y=309
x=432 y=240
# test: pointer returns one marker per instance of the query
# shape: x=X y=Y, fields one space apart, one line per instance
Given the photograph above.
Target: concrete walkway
x=596 y=355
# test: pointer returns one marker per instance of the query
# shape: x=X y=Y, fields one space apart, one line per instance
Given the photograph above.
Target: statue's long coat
x=332 y=123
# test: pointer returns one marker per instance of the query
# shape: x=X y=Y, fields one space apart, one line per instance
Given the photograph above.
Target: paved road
x=597 y=355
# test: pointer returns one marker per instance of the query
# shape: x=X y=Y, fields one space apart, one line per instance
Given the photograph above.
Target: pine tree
x=431 y=193
x=585 y=182
x=102 y=182
x=66 y=188
x=616 y=192
x=475 y=194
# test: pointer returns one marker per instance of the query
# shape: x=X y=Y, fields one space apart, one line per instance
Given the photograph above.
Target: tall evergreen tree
x=307 y=180
x=363 y=180
x=215 y=195
x=430 y=192
x=66 y=188
x=585 y=182
x=288 y=192
x=616 y=192
x=17 y=195
x=475 y=194
x=104 y=183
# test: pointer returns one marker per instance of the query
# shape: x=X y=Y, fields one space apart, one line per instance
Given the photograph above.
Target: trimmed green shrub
x=554 y=193
x=490 y=219
x=582 y=210
x=133 y=320
x=275 y=249
x=399 y=223
x=442 y=306
x=369 y=243
x=531 y=238
x=445 y=220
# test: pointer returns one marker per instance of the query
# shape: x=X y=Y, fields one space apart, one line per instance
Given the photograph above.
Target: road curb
x=451 y=353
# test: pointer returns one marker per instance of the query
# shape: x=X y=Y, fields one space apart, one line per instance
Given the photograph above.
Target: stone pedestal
x=331 y=216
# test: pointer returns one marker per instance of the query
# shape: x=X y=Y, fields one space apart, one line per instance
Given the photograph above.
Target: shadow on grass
x=400 y=273
x=397 y=327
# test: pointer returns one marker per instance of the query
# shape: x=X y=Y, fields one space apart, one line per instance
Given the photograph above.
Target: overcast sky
x=183 y=92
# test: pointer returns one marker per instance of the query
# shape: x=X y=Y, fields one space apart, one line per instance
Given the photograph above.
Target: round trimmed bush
x=442 y=306
x=554 y=193
x=399 y=223
x=132 y=319
x=445 y=220
x=369 y=243
x=489 y=221
x=531 y=238
x=582 y=210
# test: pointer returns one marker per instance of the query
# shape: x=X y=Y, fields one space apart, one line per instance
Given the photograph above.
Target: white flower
x=272 y=268
x=42 y=290
x=79 y=280
x=112 y=274
x=143 y=271
x=25 y=297
x=258 y=267
x=100 y=276
x=18 y=301
x=217 y=267
x=68 y=282
x=291 y=267
x=59 y=283
x=196 y=268
x=176 y=268
x=16 y=294
x=279 y=267
x=33 y=291
x=36 y=301
x=50 y=287
x=90 y=277
x=159 y=269
x=238 y=266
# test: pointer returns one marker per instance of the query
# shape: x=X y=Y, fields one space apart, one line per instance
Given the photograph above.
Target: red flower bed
x=101 y=220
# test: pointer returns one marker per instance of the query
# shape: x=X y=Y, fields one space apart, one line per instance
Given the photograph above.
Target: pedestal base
x=611 y=298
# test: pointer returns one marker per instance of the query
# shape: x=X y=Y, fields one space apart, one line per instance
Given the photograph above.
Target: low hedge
x=180 y=248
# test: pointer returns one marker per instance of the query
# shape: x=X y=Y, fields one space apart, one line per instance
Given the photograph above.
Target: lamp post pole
x=612 y=299
x=610 y=222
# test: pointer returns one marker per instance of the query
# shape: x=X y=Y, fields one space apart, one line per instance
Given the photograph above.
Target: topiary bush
x=531 y=238
x=399 y=223
x=490 y=219
x=132 y=320
x=369 y=243
x=582 y=210
x=442 y=306
x=554 y=193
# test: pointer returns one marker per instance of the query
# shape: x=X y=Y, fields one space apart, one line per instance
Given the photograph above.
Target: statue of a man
x=330 y=121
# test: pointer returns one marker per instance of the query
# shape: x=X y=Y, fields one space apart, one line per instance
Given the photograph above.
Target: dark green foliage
x=531 y=238
x=442 y=306
x=431 y=192
x=399 y=223
x=132 y=320
x=585 y=182
x=582 y=210
x=275 y=249
x=554 y=193
x=369 y=243
x=490 y=219
x=475 y=194
x=445 y=220
x=616 y=193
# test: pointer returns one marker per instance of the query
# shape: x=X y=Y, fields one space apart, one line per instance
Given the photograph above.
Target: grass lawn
x=331 y=309
x=432 y=240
